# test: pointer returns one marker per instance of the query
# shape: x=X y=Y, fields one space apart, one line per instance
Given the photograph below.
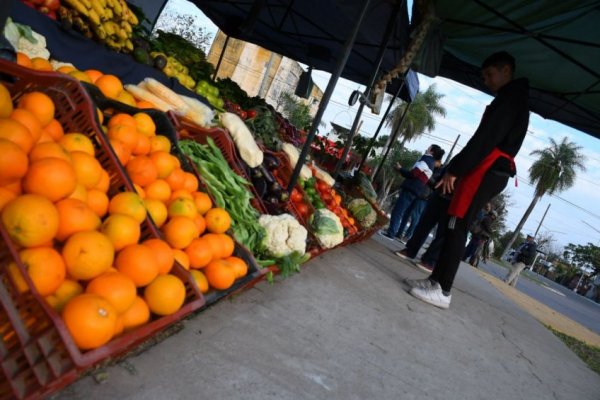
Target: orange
x=191 y=182
x=80 y=193
x=165 y=163
x=202 y=201
x=199 y=221
x=138 y=189
x=182 y=207
x=126 y=98
x=179 y=232
x=239 y=266
x=176 y=179
x=14 y=187
x=77 y=142
x=142 y=171
x=217 y=220
x=142 y=146
x=29 y=121
x=182 y=258
x=65 y=292
x=115 y=288
x=40 y=105
x=14 y=162
x=143 y=104
x=45 y=268
x=222 y=245
x=54 y=130
x=74 y=216
x=104 y=183
x=180 y=194
x=122 y=119
x=30 y=220
x=23 y=60
x=165 y=295
x=220 y=274
x=90 y=320
x=109 y=85
x=93 y=74
x=45 y=138
x=138 y=263
x=163 y=254
x=158 y=190
x=6 y=104
x=200 y=280
x=49 y=149
x=65 y=69
x=119 y=328
x=80 y=76
x=157 y=211
x=199 y=253
x=136 y=315
x=17 y=133
x=145 y=124
x=160 y=143
x=97 y=201
x=122 y=152
x=128 y=203
x=88 y=254
x=121 y=230
x=41 y=64
x=87 y=169
x=50 y=177
x=6 y=196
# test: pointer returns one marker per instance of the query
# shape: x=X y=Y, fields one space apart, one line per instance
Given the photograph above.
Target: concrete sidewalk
x=345 y=328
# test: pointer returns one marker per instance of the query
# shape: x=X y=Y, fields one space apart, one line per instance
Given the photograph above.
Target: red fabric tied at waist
x=469 y=184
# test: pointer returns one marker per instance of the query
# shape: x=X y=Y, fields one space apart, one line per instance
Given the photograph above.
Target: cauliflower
x=25 y=40
x=284 y=236
x=363 y=212
x=328 y=228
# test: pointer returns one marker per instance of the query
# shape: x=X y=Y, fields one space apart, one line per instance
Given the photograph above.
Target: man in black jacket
x=480 y=171
x=524 y=256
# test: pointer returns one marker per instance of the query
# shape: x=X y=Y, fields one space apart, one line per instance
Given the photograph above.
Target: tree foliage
x=583 y=256
x=184 y=25
x=295 y=110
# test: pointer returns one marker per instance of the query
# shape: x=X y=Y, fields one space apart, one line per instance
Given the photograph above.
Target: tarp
x=313 y=32
x=556 y=45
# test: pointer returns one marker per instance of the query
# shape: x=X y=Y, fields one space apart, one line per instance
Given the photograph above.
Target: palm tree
x=420 y=117
x=553 y=172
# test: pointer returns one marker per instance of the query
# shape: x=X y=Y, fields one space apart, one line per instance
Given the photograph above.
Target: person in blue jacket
x=415 y=181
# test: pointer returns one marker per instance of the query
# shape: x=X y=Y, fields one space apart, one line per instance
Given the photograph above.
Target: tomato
x=302 y=209
x=296 y=196
x=326 y=197
x=251 y=113
x=242 y=114
x=323 y=187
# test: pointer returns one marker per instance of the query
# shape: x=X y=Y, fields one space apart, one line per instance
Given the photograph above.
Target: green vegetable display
x=264 y=128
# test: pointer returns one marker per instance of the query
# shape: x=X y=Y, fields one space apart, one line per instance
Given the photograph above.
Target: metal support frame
x=389 y=30
x=393 y=138
x=383 y=118
x=221 y=57
x=341 y=62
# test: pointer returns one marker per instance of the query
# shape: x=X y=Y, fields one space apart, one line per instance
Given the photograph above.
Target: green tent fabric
x=556 y=45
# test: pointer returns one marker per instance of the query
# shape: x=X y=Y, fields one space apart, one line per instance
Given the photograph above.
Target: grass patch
x=589 y=354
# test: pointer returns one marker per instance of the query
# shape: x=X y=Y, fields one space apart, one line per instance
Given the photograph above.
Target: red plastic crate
x=37 y=353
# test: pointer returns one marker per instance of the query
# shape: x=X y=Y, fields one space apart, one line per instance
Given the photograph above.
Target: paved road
x=553 y=295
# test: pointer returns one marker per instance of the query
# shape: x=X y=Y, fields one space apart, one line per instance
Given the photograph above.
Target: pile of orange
x=79 y=244
x=190 y=225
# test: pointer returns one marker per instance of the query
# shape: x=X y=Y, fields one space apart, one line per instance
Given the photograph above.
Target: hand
x=447 y=183
x=398 y=166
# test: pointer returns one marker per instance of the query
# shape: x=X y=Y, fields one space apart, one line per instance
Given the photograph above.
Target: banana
x=109 y=14
x=116 y=6
x=77 y=6
x=129 y=45
x=94 y=17
x=102 y=3
x=97 y=7
x=108 y=27
x=86 y=3
x=100 y=32
x=125 y=25
x=121 y=33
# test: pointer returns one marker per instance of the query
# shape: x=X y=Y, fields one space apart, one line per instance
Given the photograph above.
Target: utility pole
x=542 y=221
x=452 y=150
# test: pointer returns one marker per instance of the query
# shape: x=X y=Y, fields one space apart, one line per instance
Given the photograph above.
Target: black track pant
x=435 y=213
x=453 y=247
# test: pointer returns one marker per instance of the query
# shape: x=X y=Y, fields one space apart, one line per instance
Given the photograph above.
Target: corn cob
x=143 y=94
x=167 y=95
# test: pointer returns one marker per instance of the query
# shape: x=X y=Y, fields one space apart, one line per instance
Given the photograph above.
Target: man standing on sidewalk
x=524 y=256
x=479 y=172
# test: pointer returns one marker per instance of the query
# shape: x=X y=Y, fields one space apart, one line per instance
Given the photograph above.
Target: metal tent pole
x=389 y=30
x=221 y=57
x=374 y=138
x=341 y=63
x=392 y=140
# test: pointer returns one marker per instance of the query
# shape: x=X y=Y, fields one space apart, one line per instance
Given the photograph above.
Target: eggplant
x=260 y=185
x=272 y=199
x=271 y=162
x=256 y=173
x=267 y=174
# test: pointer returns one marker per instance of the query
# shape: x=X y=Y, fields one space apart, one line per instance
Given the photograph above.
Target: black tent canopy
x=313 y=32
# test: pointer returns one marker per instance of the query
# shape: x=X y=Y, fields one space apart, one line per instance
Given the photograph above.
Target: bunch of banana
x=109 y=21
x=173 y=68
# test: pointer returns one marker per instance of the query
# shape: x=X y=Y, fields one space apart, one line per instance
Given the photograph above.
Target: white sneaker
x=432 y=295
x=419 y=283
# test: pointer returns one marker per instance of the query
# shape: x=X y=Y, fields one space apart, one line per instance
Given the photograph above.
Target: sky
x=573 y=216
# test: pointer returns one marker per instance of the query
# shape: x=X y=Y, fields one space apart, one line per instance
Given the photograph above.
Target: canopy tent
x=556 y=45
x=313 y=32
